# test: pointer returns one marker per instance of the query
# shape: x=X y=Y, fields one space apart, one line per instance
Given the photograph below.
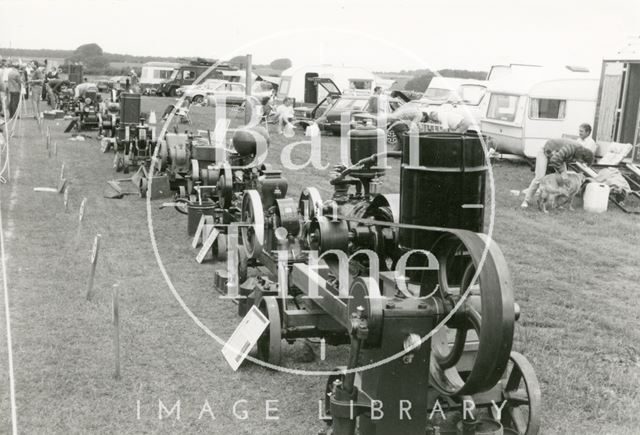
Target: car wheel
x=172 y=93
x=392 y=138
x=198 y=99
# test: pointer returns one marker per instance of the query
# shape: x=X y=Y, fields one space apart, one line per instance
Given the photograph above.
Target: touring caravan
x=154 y=73
x=618 y=114
x=524 y=110
x=298 y=82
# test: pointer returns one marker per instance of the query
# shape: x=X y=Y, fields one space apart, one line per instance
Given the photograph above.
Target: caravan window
x=503 y=107
x=162 y=74
x=544 y=108
x=188 y=75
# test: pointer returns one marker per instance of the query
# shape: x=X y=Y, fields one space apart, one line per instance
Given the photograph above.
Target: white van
x=298 y=82
x=524 y=110
x=154 y=73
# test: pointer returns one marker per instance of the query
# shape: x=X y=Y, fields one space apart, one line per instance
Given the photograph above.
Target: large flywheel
x=224 y=186
x=488 y=313
x=253 y=218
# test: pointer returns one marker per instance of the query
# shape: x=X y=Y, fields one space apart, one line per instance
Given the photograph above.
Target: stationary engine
x=426 y=302
x=135 y=140
x=87 y=107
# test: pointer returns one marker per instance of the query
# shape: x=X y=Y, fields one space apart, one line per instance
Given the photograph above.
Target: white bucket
x=596 y=198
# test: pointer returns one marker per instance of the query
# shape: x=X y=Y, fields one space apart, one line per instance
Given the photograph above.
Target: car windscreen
x=350 y=104
x=438 y=94
x=472 y=94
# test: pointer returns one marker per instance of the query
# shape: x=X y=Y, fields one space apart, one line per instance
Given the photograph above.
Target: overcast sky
x=387 y=35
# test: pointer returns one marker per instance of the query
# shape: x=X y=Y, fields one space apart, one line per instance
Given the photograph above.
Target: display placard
x=244 y=337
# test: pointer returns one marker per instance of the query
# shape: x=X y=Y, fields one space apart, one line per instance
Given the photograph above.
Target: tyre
x=197 y=99
x=392 y=138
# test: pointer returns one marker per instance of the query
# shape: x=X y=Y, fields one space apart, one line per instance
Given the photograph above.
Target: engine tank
x=244 y=140
x=363 y=143
x=441 y=185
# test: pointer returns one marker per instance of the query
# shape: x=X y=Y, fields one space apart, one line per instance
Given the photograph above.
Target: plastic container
x=596 y=198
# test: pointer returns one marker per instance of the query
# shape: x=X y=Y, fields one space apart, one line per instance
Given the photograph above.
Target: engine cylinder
x=442 y=184
x=272 y=185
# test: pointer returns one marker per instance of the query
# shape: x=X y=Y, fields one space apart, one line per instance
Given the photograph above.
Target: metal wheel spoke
x=518 y=419
x=514 y=380
x=517 y=398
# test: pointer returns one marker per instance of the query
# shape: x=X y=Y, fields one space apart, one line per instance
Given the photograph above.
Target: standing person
x=585 y=138
x=374 y=101
x=52 y=74
x=14 y=87
x=134 y=81
x=557 y=153
x=36 y=81
x=26 y=76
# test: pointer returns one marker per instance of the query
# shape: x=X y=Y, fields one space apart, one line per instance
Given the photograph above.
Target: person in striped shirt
x=557 y=153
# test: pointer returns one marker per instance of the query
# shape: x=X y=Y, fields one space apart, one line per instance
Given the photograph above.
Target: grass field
x=576 y=280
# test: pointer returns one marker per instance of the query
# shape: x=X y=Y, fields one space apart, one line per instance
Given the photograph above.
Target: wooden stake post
x=116 y=332
x=94 y=262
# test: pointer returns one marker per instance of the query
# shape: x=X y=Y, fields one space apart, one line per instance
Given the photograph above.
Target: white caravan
x=298 y=82
x=525 y=109
x=154 y=73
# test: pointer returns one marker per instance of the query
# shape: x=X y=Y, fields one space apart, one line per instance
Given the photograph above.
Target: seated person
x=584 y=133
x=284 y=114
x=557 y=153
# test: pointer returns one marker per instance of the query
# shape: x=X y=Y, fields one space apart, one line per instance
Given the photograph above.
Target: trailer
x=525 y=109
x=617 y=115
x=298 y=82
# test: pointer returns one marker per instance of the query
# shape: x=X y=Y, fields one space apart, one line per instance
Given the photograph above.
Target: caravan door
x=310 y=88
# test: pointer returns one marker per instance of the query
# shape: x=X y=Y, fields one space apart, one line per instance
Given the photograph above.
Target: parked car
x=329 y=111
x=234 y=93
x=400 y=108
x=185 y=75
x=356 y=106
x=198 y=93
